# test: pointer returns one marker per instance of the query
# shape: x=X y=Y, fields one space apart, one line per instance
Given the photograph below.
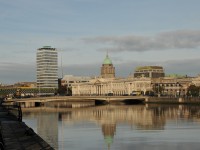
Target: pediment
x=97 y=81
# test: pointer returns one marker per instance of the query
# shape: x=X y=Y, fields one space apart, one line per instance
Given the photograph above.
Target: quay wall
x=168 y=100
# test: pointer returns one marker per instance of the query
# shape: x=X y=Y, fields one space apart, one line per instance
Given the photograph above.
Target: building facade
x=105 y=86
x=171 y=86
x=149 y=71
x=67 y=80
x=47 y=67
x=146 y=80
x=107 y=83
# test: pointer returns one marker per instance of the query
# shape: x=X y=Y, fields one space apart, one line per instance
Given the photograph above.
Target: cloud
x=180 y=39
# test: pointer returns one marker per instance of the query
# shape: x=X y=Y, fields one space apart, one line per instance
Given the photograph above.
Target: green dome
x=107 y=61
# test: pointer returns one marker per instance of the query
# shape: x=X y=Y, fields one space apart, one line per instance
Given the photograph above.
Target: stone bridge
x=97 y=99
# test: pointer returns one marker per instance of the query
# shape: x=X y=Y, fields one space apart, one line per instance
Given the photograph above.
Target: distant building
x=69 y=79
x=149 y=71
x=47 y=67
x=146 y=80
x=64 y=86
x=107 y=69
x=108 y=84
x=172 y=86
x=25 y=84
x=102 y=86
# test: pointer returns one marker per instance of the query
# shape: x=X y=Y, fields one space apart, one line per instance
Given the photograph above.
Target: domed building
x=107 y=69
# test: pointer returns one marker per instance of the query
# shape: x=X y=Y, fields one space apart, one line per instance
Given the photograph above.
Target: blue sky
x=134 y=32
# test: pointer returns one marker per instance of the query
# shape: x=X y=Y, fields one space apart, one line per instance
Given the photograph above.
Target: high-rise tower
x=47 y=67
x=107 y=69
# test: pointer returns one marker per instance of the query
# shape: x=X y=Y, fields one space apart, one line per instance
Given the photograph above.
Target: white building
x=116 y=86
x=107 y=83
x=67 y=80
x=47 y=67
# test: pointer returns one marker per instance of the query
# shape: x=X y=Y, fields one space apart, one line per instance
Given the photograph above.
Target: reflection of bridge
x=103 y=99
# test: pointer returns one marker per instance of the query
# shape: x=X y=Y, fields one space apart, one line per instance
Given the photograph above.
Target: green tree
x=193 y=91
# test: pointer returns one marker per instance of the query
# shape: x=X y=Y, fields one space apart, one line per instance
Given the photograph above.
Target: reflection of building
x=149 y=71
x=108 y=132
x=107 y=69
x=109 y=116
x=47 y=128
x=113 y=118
x=47 y=67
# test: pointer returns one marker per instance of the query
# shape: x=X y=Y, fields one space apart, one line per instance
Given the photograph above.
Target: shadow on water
x=100 y=102
x=117 y=102
x=132 y=102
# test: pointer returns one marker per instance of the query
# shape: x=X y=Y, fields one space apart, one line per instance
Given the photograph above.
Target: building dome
x=107 y=60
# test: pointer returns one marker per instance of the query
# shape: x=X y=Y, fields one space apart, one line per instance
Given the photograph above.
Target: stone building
x=172 y=86
x=107 y=69
x=147 y=79
x=118 y=86
x=149 y=71
x=107 y=83
x=67 y=80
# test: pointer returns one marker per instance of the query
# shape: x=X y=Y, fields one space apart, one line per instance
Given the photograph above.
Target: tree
x=193 y=91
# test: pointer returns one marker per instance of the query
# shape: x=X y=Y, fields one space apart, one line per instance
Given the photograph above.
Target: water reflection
x=53 y=122
x=108 y=133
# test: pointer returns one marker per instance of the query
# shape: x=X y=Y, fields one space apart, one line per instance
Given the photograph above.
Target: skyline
x=135 y=33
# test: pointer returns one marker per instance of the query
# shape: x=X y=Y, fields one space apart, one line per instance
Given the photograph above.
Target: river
x=117 y=127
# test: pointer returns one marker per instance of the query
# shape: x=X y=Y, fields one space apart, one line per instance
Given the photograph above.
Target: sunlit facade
x=107 y=84
x=145 y=80
x=120 y=86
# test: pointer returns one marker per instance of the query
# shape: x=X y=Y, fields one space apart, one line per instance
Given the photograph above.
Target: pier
x=15 y=134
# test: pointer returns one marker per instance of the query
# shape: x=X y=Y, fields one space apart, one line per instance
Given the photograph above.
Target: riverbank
x=15 y=134
x=169 y=100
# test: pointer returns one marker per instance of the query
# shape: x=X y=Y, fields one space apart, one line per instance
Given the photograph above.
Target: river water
x=117 y=127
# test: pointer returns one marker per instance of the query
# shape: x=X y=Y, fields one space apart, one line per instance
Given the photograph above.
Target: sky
x=134 y=32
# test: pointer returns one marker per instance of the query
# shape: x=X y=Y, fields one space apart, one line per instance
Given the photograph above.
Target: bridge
x=97 y=99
